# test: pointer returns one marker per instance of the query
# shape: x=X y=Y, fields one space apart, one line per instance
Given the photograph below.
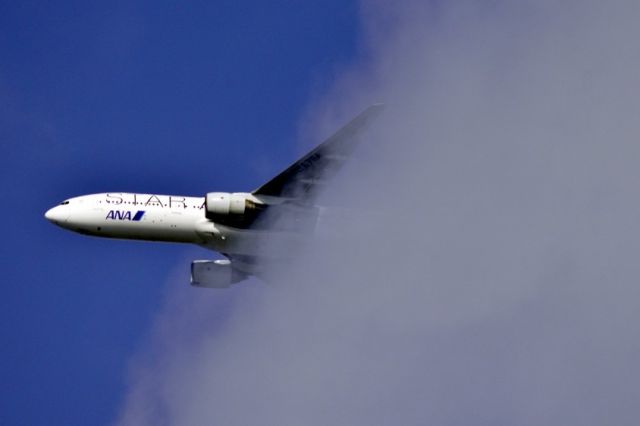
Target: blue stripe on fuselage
x=138 y=215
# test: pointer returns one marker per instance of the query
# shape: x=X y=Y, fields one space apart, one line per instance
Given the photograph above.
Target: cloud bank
x=493 y=277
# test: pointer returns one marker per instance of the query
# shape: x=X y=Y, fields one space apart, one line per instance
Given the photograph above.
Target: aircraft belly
x=150 y=225
x=160 y=225
x=248 y=242
x=150 y=233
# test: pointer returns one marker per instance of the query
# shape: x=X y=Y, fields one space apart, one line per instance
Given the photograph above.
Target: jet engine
x=236 y=209
x=215 y=273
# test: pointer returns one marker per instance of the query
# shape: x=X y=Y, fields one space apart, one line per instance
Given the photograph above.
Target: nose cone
x=56 y=215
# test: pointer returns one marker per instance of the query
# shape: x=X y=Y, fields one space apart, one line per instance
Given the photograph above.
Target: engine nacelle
x=223 y=203
x=215 y=273
x=233 y=209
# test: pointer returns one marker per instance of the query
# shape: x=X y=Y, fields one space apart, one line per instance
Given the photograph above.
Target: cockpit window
x=64 y=202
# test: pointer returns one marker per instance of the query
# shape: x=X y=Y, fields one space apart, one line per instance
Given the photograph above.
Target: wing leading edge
x=300 y=180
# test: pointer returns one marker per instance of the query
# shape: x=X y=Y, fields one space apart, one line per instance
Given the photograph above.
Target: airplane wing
x=302 y=179
x=293 y=211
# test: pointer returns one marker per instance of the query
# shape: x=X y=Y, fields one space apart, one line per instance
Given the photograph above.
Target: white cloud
x=497 y=281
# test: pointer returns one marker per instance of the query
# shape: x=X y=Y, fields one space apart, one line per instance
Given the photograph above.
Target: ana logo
x=124 y=215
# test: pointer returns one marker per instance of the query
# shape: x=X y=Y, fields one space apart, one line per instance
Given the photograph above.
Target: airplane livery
x=124 y=215
x=242 y=226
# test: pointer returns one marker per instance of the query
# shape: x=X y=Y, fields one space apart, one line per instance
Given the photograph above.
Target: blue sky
x=496 y=281
x=160 y=97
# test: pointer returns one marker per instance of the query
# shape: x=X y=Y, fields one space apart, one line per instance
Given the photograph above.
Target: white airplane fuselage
x=152 y=217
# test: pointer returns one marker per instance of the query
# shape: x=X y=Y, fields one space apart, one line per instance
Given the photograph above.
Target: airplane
x=250 y=229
